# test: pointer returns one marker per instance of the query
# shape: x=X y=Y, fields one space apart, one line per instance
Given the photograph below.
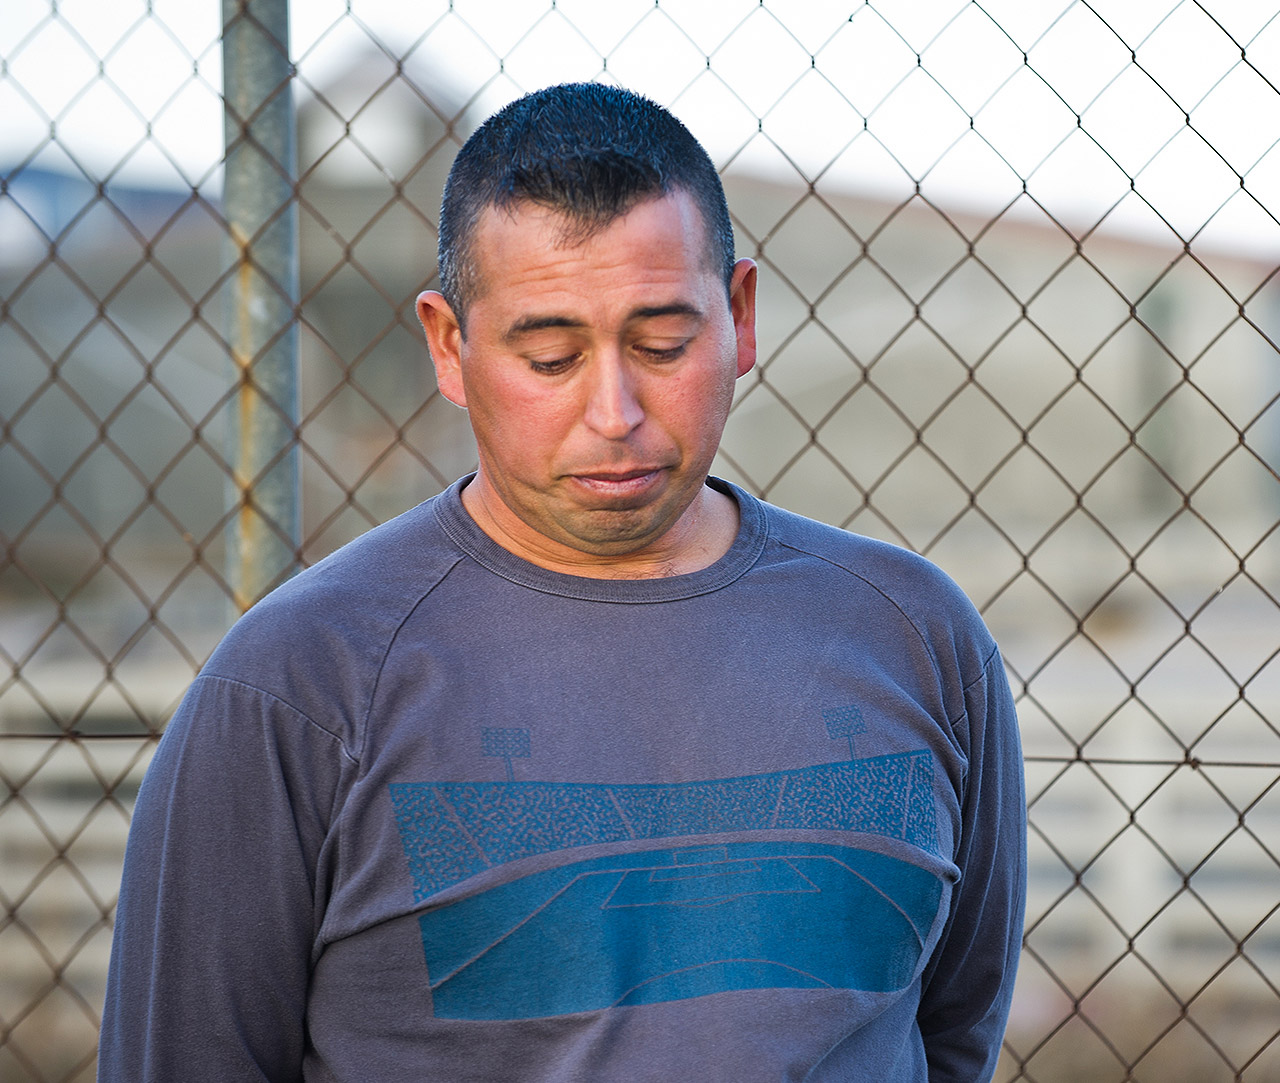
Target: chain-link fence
x=1019 y=312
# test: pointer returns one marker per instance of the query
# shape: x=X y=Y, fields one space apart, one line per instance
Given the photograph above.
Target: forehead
x=529 y=248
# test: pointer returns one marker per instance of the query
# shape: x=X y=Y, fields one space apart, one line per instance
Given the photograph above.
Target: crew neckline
x=742 y=554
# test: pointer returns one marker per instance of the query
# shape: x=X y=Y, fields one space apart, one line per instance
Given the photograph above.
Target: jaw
x=620 y=535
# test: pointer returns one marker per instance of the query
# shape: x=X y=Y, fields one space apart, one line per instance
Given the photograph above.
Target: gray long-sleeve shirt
x=433 y=813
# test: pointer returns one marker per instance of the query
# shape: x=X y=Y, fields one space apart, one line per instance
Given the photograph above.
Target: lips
x=620 y=484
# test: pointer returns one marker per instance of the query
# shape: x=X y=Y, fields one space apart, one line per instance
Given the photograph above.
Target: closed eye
x=554 y=367
x=661 y=353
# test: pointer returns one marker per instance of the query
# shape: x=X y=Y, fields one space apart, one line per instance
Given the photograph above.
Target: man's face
x=598 y=375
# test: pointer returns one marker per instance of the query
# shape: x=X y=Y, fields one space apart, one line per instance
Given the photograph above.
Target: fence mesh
x=1019 y=312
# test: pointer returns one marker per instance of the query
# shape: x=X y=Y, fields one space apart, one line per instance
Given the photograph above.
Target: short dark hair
x=586 y=150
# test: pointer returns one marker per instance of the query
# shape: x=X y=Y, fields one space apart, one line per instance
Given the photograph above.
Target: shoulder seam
x=993 y=655
x=879 y=590
x=920 y=634
x=203 y=678
x=459 y=557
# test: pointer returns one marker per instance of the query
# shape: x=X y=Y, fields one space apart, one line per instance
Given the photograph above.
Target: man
x=590 y=768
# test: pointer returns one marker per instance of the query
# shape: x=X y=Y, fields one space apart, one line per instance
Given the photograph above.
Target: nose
x=613 y=408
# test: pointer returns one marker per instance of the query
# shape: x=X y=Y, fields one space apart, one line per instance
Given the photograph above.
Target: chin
x=616 y=533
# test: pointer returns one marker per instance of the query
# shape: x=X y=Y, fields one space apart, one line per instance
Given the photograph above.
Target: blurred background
x=1019 y=312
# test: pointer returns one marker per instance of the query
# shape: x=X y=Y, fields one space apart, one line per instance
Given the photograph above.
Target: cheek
x=703 y=404
x=514 y=422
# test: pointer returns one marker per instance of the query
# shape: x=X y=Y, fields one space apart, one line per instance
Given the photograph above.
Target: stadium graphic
x=675 y=920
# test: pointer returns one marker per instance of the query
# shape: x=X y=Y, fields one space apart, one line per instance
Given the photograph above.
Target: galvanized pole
x=261 y=210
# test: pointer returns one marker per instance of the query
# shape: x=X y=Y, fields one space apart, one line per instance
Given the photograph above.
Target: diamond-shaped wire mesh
x=1019 y=311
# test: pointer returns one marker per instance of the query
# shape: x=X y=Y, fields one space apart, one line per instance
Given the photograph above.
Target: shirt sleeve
x=217 y=915
x=968 y=985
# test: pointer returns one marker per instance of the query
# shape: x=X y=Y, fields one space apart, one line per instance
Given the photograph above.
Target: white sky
x=869 y=97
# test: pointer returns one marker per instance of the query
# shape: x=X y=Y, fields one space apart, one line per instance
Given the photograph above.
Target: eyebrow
x=528 y=325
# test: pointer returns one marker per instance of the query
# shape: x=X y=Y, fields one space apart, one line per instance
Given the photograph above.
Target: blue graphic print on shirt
x=670 y=923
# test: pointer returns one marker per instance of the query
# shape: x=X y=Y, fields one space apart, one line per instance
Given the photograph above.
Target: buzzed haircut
x=588 y=151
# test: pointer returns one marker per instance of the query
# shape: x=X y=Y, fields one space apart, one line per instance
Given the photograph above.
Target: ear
x=444 y=340
x=742 y=304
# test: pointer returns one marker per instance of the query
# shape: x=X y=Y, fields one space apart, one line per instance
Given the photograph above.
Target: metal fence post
x=261 y=210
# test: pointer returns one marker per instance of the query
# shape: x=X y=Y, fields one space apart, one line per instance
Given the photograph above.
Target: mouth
x=620 y=484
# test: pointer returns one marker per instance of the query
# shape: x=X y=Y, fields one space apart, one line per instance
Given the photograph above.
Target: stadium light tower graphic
x=507 y=744
x=844 y=722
